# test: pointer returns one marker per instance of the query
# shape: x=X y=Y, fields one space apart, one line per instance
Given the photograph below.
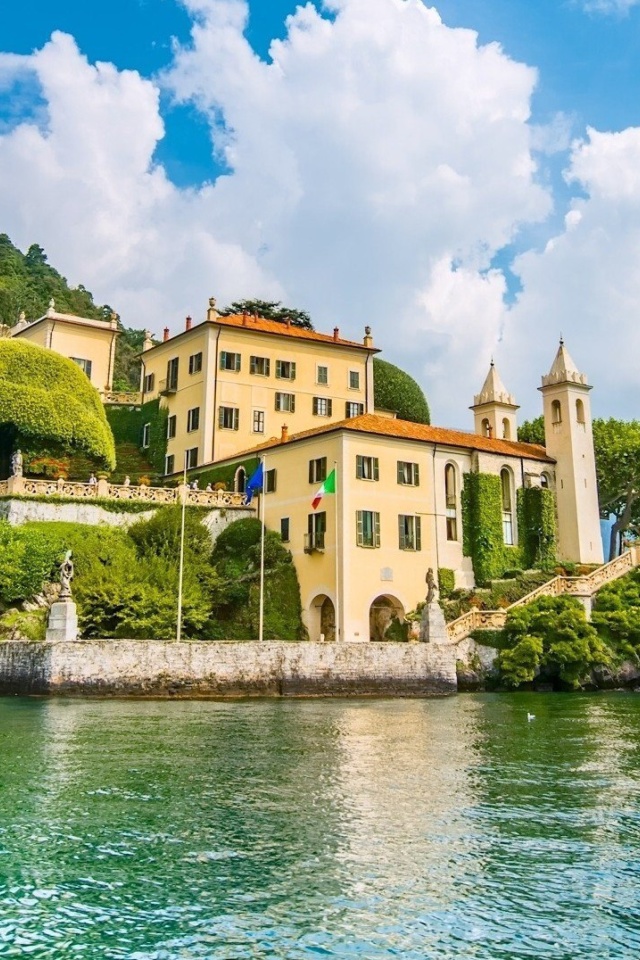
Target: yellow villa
x=227 y=383
x=89 y=343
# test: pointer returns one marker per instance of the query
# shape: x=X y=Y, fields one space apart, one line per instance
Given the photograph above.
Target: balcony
x=314 y=542
x=168 y=387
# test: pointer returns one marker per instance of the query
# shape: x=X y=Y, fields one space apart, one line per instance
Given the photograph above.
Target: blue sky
x=406 y=176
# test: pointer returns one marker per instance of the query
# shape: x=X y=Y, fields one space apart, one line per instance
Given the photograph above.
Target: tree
x=126 y=373
x=47 y=402
x=617 y=449
x=393 y=389
x=270 y=310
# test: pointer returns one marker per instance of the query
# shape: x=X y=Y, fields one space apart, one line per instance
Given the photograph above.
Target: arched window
x=506 y=429
x=451 y=506
x=507 y=506
x=545 y=482
x=580 y=411
x=240 y=480
x=556 y=411
x=486 y=428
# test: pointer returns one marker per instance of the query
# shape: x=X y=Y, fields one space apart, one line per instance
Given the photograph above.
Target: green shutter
x=278 y=368
x=311 y=477
x=252 y=364
x=376 y=468
x=359 y=531
x=278 y=401
x=293 y=403
x=416 y=475
x=267 y=368
x=418 y=533
x=400 y=472
x=402 y=540
x=293 y=370
x=329 y=407
x=359 y=470
x=221 y=416
x=223 y=359
x=237 y=362
x=376 y=529
x=236 y=418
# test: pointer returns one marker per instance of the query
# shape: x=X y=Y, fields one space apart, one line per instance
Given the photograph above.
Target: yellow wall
x=249 y=392
x=77 y=338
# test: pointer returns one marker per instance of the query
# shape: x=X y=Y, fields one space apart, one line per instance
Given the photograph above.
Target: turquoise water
x=369 y=829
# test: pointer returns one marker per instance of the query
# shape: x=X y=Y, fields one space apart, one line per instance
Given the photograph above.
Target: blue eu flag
x=255 y=482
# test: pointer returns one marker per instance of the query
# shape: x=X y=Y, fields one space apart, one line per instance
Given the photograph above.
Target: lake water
x=318 y=829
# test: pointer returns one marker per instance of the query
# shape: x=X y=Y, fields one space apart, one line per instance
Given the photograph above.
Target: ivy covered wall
x=224 y=474
x=482 y=528
x=537 y=527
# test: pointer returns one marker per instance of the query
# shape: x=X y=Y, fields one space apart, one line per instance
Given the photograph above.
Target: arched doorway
x=240 y=480
x=322 y=619
x=384 y=613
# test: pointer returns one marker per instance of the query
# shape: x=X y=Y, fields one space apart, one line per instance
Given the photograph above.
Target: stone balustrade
x=102 y=489
x=131 y=399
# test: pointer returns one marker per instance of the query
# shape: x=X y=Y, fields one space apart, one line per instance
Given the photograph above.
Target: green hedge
x=446 y=582
x=125 y=423
x=46 y=399
x=224 y=474
x=393 y=389
x=482 y=537
x=537 y=527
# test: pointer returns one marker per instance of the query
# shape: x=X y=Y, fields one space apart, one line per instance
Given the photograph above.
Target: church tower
x=494 y=410
x=569 y=440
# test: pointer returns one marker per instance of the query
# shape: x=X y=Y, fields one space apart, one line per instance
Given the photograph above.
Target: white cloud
x=620 y=7
x=379 y=162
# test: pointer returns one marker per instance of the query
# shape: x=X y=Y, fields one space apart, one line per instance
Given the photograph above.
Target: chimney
x=147 y=343
x=188 y=323
x=336 y=333
x=368 y=339
x=244 y=318
x=288 y=321
x=284 y=436
x=165 y=334
x=212 y=313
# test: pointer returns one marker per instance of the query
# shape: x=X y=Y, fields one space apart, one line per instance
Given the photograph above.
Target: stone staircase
x=581 y=587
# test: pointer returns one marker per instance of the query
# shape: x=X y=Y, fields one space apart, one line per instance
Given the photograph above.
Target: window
x=506 y=429
x=353 y=409
x=270 y=481
x=195 y=363
x=408 y=474
x=229 y=361
x=354 y=379
x=544 y=481
x=261 y=366
x=192 y=457
x=322 y=375
x=172 y=374
x=318 y=470
x=556 y=412
x=146 y=435
x=149 y=382
x=258 y=421
x=322 y=407
x=507 y=507
x=171 y=427
x=367 y=468
x=228 y=418
x=451 y=501
x=486 y=428
x=169 y=462
x=409 y=534
x=316 y=529
x=193 y=419
x=84 y=365
x=580 y=412
x=286 y=402
x=367 y=528
x=285 y=370
x=284 y=529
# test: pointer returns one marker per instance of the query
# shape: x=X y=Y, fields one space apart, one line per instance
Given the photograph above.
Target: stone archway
x=240 y=480
x=322 y=619
x=383 y=612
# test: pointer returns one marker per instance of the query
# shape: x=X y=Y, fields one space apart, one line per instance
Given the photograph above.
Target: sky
x=462 y=176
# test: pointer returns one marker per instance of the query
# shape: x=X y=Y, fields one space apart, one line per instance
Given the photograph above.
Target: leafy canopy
x=46 y=400
x=270 y=310
x=393 y=389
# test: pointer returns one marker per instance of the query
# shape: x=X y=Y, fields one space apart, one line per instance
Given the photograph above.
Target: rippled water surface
x=370 y=829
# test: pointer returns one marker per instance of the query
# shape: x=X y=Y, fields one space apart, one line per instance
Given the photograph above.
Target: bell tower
x=569 y=440
x=494 y=409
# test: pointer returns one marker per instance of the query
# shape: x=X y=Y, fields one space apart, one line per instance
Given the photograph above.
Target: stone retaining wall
x=151 y=668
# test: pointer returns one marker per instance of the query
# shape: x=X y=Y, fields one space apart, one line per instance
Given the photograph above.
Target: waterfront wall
x=150 y=668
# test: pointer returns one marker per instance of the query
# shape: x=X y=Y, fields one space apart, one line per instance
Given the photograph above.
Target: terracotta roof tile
x=404 y=430
x=260 y=325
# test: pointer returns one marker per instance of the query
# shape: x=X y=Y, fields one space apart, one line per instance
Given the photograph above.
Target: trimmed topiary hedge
x=47 y=400
x=393 y=389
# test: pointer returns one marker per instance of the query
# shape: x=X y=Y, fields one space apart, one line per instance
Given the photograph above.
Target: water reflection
x=368 y=829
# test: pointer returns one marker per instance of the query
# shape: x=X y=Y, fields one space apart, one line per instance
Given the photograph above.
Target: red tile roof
x=404 y=430
x=260 y=325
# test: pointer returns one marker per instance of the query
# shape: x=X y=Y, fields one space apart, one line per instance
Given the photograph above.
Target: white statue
x=16 y=464
x=66 y=576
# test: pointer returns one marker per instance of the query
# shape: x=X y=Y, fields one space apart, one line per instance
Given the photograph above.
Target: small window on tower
x=556 y=412
x=580 y=411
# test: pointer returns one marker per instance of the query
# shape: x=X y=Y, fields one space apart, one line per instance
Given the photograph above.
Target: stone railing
x=583 y=586
x=131 y=399
x=102 y=489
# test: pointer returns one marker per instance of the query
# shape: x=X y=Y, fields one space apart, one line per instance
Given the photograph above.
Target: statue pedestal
x=433 y=628
x=63 y=622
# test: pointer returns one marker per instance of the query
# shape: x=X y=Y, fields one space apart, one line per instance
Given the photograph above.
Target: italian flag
x=329 y=486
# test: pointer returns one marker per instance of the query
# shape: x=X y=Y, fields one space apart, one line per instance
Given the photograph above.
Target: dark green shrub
x=616 y=615
x=160 y=535
x=28 y=560
x=393 y=389
x=446 y=582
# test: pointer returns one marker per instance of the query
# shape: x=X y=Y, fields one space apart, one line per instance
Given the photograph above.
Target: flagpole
x=335 y=468
x=262 y=493
x=181 y=565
